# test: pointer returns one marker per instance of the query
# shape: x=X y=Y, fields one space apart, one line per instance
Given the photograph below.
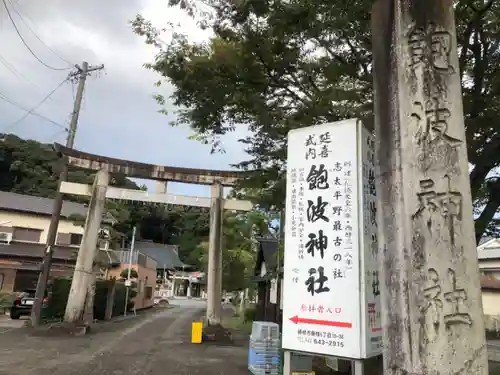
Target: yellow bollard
x=196 y=332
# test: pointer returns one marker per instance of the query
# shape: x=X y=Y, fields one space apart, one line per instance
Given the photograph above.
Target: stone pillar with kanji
x=432 y=308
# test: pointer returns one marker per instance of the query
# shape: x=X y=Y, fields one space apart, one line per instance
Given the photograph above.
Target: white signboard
x=273 y=293
x=371 y=313
x=329 y=266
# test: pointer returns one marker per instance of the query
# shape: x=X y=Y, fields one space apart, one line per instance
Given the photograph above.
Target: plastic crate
x=265 y=331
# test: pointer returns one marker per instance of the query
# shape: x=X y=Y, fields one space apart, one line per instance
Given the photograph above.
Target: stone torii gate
x=163 y=174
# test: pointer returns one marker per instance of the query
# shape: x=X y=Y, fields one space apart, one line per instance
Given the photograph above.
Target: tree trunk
x=489 y=211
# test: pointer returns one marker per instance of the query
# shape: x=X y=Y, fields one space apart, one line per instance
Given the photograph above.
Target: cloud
x=119 y=117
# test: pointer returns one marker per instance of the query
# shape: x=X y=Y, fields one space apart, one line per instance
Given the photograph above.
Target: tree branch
x=490 y=209
x=468 y=32
x=485 y=163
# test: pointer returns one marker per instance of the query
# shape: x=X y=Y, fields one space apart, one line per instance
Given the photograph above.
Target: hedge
x=59 y=297
x=250 y=313
x=6 y=300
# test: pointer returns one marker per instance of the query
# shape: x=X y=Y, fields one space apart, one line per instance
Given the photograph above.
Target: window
x=27 y=234
x=63 y=238
x=103 y=244
x=149 y=292
x=75 y=238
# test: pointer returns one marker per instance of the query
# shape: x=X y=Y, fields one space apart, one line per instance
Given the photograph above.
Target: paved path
x=7 y=324
x=156 y=343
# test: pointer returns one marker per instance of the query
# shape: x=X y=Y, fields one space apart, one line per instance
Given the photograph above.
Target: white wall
x=15 y=219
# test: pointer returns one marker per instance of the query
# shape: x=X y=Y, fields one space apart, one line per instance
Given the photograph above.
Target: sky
x=119 y=117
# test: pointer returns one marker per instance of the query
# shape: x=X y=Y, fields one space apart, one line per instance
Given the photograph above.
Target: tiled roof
x=66 y=253
x=36 y=250
x=267 y=249
x=484 y=239
x=41 y=206
x=165 y=255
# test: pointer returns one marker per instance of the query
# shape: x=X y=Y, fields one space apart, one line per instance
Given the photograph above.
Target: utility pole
x=81 y=74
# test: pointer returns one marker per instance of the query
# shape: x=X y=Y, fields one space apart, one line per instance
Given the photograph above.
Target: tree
x=277 y=65
x=29 y=167
x=133 y=274
x=238 y=247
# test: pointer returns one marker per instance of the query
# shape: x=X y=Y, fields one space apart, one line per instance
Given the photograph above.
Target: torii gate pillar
x=214 y=277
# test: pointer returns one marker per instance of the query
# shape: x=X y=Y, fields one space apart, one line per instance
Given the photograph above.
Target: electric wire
x=33 y=113
x=24 y=42
x=36 y=35
x=56 y=135
x=11 y=68
x=35 y=107
x=21 y=76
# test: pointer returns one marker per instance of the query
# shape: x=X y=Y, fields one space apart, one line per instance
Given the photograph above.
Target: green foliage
x=60 y=292
x=29 y=167
x=133 y=274
x=249 y=314
x=6 y=300
x=178 y=226
x=58 y=298
x=276 y=65
x=238 y=247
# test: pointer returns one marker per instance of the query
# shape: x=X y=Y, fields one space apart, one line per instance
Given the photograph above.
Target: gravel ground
x=153 y=343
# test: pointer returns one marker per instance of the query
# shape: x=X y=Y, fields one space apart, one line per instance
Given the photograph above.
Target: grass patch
x=237 y=322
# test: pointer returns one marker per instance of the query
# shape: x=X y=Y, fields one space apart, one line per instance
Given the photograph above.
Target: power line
x=24 y=42
x=11 y=68
x=54 y=136
x=33 y=113
x=20 y=75
x=36 y=35
x=35 y=107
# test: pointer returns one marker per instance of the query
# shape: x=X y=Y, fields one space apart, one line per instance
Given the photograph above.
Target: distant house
x=490 y=295
x=488 y=254
x=167 y=256
x=24 y=224
x=267 y=275
x=145 y=267
x=184 y=282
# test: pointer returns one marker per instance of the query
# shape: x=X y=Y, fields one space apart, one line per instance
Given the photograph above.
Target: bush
x=6 y=301
x=60 y=292
x=249 y=315
x=133 y=274
x=236 y=300
x=58 y=298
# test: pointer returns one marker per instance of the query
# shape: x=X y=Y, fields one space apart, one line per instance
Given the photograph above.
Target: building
x=488 y=254
x=490 y=295
x=145 y=267
x=268 y=276
x=24 y=224
x=175 y=278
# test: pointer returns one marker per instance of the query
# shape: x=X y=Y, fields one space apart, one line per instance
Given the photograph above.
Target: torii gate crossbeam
x=104 y=165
